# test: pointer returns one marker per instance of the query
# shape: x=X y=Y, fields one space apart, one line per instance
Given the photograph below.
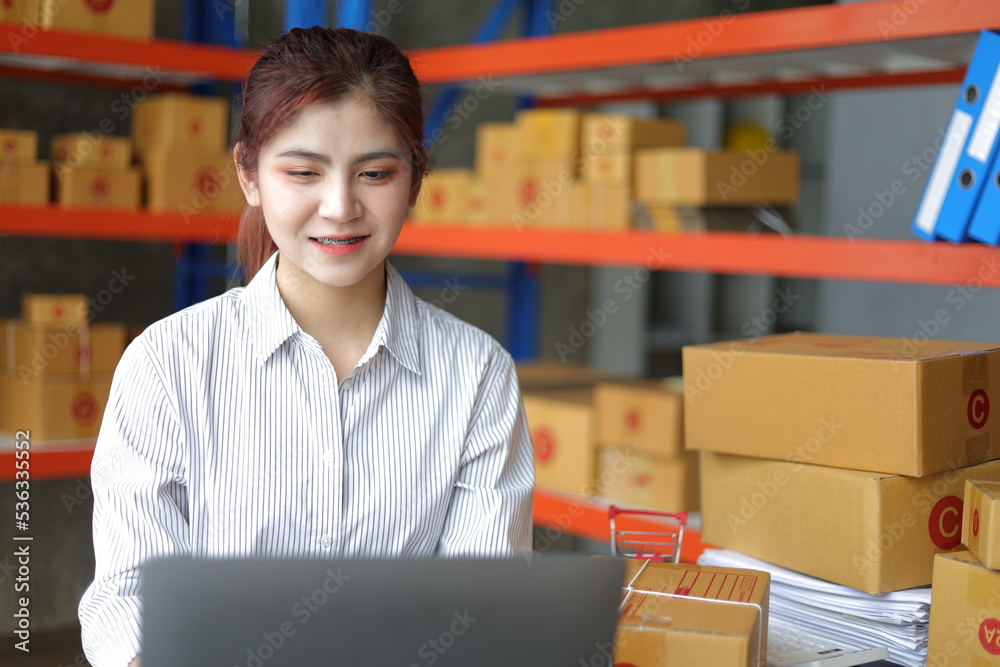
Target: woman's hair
x=310 y=65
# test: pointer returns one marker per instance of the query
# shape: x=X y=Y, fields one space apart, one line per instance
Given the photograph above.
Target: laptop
x=552 y=611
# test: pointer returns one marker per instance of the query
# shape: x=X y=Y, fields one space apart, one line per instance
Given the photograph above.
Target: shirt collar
x=269 y=323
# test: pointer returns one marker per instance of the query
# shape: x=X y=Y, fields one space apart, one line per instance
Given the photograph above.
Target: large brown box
x=636 y=478
x=174 y=120
x=92 y=149
x=561 y=423
x=981 y=521
x=53 y=309
x=697 y=177
x=692 y=615
x=548 y=134
x=127 y=18
x=619 y=134
x=191 y=180
x=496 y=149
x=53 y=407
x=542 y=193
x=444 y=197
x=887 y=405
x=24 y=182
x=18 y=145
x=965 y=613
x=870 y=531
x=646 y=416
x=28 y=349
x=97 y=186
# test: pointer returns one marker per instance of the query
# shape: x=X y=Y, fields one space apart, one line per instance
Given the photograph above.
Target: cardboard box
x=696 y=177
x=562 y=433
x=191 y=180
x=620 y=134
x=610 y=207
x=692 y=615
x=97 y=186
x=496 y=149
x=73 y=349
x=24 y=182
x=965 y=613
x=892 y=405
x=18 y=145
x=634 y=477
x=53 y=309
x=53 y=407
x=542 y=192
x=548 y=134
x=542 y=374
x=646 y=416
x=174 y=120
x=444 y=196
x=477 y=204
x=981 y=521
x=133 y=18
x=92 y=149
x=874 y=532
x=615 y=169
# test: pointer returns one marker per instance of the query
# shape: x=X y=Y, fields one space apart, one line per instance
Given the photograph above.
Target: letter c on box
x=945 y=523
x=979 y=409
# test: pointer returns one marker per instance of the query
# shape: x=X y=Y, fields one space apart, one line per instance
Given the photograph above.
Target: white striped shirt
x=227 y=434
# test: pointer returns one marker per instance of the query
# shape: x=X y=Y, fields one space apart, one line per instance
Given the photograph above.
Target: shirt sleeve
x=140 y=504
x=490 y=512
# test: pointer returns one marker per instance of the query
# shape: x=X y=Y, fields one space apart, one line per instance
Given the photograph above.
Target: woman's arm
x=140 y=504
x=490 y=512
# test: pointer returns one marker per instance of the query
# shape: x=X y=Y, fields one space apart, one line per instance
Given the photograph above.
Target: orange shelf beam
x=773 y=31
x=800 y=256
x=49 y=464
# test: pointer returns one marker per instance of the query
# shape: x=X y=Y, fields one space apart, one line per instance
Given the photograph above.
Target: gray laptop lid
x=554 y=611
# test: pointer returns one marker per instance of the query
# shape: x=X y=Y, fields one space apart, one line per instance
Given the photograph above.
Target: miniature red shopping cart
x=660 y=546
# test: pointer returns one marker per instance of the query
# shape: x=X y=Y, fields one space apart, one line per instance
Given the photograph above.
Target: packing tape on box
x=975 y=385
x=83 y=345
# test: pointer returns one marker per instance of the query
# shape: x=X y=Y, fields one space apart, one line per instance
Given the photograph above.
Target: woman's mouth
x=338 y=241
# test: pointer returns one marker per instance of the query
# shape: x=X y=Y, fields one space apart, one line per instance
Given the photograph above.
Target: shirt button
x=327 y=458
x=348 y=383
x=326 y=540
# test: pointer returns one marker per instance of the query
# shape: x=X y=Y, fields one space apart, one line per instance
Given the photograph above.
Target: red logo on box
x=545 y=444
x=207 y=185
x=10 y=145
x=7 y=4
x=437 y=198
x=989 y=635
x=100 y=5
x=529 y=192
x=195 y=126
x=81 y=353
x=84 y=409
x=975 y=523
x=106 y=152
x=100 y=188
x=979 y=408
x=632 y=419
x=642 y=479
x=945 y=523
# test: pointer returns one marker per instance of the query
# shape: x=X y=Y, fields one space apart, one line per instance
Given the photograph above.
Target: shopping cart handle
x=615 y=511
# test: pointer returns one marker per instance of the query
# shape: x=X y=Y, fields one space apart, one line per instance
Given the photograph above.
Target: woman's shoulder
x=195 y=325
x=446 y=332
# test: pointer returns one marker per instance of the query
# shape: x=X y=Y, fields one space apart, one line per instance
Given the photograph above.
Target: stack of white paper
x=843 y=615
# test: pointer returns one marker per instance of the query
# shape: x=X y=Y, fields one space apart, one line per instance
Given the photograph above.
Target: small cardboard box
x=133 y=18
x=634 y=477
x=97 y=186
x=697 y=177
x=53 y=407
x=53 y=309
x=892 y=405
x=92 y=149
x=542 y=192
x=191 y=180
x=870 y=531
x=443 y=196
x=619 y=134
x=174 y=120
x=647 y=416
x=965 y=613
x=28 y=349
x=18 y=145
x=496 y=149
x=981 y=521
x=610 y=207
x=615 y=169
x=24 y=182
x=692 y=615
x=477 y=204
x=548 y=134
x=561 y=422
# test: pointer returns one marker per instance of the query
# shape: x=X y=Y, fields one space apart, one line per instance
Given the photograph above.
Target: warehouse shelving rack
x=830 y=47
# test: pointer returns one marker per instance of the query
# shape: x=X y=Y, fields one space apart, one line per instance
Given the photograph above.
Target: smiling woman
x=323 y=410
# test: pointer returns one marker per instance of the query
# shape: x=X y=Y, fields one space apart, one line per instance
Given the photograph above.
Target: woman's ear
x=248 y=181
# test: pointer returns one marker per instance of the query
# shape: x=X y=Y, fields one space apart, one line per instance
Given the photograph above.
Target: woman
x=323 y=410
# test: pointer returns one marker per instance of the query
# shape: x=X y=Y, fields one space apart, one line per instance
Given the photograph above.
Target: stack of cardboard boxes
x=131 y=18
x=92 y=169
x=844 y=458
x=965 y=601
x=24 y=179
x=56 y=368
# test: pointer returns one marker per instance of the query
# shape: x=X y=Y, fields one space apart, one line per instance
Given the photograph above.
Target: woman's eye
x=301 y=174
x=376 y=175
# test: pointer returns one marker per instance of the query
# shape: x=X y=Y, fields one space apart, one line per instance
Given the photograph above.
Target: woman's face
x=334 y=186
